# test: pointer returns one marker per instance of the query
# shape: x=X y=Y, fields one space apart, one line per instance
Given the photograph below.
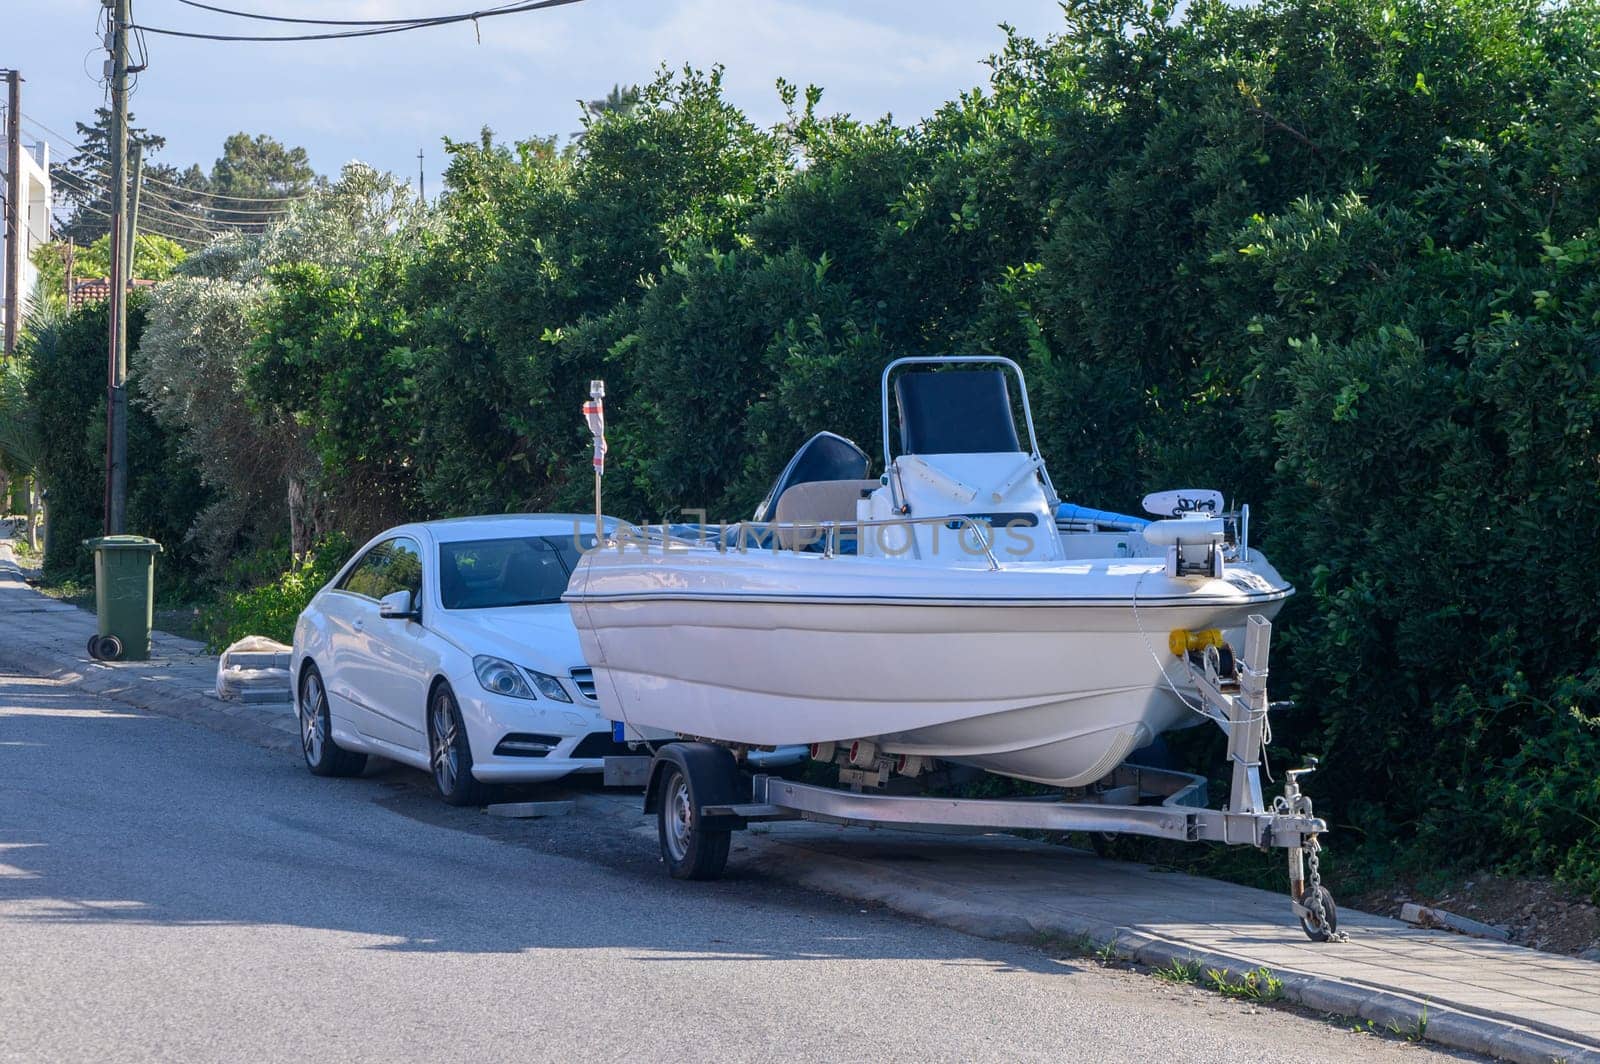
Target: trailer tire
x=690 y=849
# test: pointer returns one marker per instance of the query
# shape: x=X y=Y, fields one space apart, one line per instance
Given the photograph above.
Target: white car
x=445 y=645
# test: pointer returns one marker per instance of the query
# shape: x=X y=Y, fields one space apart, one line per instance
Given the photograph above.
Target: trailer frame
x=696 y=787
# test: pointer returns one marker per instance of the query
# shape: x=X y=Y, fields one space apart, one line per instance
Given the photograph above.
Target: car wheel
x=324 y=757
x=449 y=752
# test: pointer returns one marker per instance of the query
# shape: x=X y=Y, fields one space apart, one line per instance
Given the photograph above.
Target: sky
x=381 y=99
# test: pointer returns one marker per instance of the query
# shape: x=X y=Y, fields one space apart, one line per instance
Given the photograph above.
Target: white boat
x=951 y=609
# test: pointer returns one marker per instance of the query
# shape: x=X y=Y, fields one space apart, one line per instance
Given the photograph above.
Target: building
x=30 y=215
x=98 y=289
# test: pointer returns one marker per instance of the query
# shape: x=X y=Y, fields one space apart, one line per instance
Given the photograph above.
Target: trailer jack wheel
x=1329 y=927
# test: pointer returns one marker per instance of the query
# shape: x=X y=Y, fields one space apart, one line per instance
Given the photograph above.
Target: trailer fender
x=712 y=772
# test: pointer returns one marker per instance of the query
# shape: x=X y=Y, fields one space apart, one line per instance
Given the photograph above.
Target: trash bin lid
x=123 y=542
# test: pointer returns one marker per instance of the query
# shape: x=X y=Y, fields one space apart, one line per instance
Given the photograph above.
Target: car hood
x=539 y=637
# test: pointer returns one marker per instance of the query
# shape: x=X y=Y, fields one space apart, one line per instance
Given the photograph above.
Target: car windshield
x=519 y=571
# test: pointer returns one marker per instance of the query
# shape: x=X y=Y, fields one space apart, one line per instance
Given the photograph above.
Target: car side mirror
x=398 y=606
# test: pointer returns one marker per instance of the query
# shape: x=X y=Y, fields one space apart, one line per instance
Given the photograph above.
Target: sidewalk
x=44 y=637
x=1484 y=997
x=1481 y=996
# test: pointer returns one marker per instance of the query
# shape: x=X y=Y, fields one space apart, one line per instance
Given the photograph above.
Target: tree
x=21 y=439
x=619 y=101
x=173 y=203
x=155 y=258
x=247 y=426
x=64 y=359
x=253 y=169
x=84 y=180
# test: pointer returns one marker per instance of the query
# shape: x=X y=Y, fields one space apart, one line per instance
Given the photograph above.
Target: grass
x=1259 y=985
x=1414 y=1033
x=170 y=614
x=1181 y=970
x=75 y=592
x=1067 y=945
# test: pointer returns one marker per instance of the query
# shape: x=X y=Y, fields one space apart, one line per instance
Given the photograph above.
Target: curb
x=1447 y=1025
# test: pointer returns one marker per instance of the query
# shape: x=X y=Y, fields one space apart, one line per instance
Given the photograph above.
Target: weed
x=1259 y=985
x=1181 y=970
x=1067 y=945
x=1414 y=1033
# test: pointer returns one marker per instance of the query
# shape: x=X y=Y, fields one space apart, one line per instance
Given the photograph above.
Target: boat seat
x=815 y=502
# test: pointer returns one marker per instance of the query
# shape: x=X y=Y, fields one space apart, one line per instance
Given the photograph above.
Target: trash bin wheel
x=105 y=647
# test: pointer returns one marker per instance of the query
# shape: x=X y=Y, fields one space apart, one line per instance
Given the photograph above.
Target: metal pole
x=71 y=254
x=14 y=218
x=116 y=501
x=594 y=412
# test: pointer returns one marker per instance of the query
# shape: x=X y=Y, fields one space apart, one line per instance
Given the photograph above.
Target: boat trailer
x=700 y=795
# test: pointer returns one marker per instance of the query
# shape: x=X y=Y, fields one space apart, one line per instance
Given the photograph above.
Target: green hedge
x=66 y=363
x=271 y=609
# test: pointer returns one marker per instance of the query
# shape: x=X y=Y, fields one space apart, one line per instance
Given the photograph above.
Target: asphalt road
x=168 y=893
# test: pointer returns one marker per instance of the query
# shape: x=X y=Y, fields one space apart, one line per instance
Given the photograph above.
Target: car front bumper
x=491 y=718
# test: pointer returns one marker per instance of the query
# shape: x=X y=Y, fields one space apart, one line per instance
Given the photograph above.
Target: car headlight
x=549 y=686
x=500 y=677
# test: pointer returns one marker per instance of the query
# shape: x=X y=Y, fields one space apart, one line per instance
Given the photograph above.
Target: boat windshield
x=482 y=574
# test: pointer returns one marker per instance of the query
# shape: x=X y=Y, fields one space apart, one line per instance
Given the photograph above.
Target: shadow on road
x=113 y=817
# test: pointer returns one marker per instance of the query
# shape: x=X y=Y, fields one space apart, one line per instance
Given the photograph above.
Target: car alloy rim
x=311 y=719
x=445 y=758
x=680 y=817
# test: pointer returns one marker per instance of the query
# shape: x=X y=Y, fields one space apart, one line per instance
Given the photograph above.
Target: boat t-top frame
x=955 y=360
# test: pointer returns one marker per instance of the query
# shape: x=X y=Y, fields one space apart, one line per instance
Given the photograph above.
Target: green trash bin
x=124 y=596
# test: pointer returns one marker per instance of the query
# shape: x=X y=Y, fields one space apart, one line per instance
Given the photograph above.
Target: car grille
x=584 y=679
x=523 y=744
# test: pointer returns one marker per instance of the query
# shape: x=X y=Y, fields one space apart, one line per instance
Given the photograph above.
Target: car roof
x=453 y=529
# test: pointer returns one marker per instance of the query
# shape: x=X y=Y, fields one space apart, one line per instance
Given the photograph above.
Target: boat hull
x=1050 y=673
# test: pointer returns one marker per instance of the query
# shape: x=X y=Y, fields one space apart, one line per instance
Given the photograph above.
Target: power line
x=254 y=213
x=189 y=222
x=325 y=21
x=442 y=20
x=194 y=242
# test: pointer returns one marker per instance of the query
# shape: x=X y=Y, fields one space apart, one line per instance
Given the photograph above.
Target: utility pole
x=14 y=219
x=422 y=180
x=133 y=210
x=116 y=500
x=70 y=253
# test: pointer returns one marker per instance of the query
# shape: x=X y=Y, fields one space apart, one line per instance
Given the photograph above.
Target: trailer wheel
x=1325 y=933
x=690 y=849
